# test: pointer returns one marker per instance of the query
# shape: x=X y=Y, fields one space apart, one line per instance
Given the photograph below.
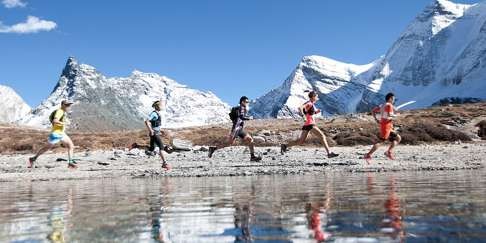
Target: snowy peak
x=333 y=80
x=114 y=103
x=440 y=55
x=12 y=106
x=332 y=68
x=442 y=13
x=437 y=16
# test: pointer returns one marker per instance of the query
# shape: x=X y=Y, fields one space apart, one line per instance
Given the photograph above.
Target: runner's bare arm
x=302 y=112
x=149 y=127
x=56 y=121
x=375 y=111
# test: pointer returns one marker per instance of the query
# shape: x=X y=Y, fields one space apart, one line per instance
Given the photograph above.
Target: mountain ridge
x=423 y=64
x=121 y=103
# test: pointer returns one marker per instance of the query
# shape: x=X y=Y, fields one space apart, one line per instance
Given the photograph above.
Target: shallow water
x=419 y=206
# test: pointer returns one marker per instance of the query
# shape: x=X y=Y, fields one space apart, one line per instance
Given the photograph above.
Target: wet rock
x=266 y=133
x=118 y=152
x=181 y=145
x=136 y=152
x=203 y=149
x=259 y=139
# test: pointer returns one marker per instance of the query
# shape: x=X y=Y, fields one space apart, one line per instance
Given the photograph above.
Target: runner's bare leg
x=317 y=132
x=66 y=140
x=300 y=140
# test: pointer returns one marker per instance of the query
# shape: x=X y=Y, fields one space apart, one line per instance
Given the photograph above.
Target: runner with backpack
x=308 y=110
x=59 y=120
x=238 y=115
x=154 y=124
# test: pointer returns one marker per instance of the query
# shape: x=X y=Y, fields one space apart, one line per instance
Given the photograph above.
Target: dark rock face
x=456 y=101
x=482 y=129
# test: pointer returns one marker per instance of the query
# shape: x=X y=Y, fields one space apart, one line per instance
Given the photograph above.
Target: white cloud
x=14 y=3
x=31 y=25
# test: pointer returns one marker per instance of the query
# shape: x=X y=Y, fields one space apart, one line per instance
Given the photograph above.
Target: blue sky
x=231 y=48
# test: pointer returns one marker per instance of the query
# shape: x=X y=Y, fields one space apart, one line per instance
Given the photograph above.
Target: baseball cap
x=67 y=102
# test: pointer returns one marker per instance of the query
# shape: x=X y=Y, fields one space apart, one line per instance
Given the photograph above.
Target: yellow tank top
x=59 y=115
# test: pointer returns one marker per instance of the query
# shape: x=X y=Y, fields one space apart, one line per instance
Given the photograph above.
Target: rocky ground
x=234 y=161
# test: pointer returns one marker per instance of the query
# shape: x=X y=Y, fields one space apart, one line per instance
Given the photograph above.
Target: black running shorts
x=308 y=127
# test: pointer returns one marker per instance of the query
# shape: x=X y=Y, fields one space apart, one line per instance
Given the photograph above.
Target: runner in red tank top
x=308 y=110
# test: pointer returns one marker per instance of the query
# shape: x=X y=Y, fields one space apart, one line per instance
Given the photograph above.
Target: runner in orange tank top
x=387 y=133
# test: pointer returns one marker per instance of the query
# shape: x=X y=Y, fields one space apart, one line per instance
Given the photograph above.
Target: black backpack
x=234 y=113
x=311 y=110
x=51 y=116
x=158 y=122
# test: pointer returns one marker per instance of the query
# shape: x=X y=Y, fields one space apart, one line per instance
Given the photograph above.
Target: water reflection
x=317 y=216
x=392 y=223
x=56 y=219
x=371 y=207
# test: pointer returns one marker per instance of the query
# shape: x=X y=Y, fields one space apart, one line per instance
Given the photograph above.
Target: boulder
x=259 y=139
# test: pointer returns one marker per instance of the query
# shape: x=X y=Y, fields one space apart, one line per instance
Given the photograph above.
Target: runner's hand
x=318 y=111
x=151 y=132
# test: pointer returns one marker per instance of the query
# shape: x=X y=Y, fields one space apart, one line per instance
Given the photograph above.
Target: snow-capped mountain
x=440 y=55
x=114 y=103
x=332 y=79
x=12 y=106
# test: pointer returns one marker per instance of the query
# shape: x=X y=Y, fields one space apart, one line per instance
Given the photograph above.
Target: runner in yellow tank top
x=58 y=119
x=59 y=114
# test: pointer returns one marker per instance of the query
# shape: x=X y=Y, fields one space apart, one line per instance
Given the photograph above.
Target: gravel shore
x=234 y=161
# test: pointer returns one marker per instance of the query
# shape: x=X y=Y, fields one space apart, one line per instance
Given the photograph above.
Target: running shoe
x=31 y=162
x=256 y=158
x=283 y=148
x=389 y=155
x=72 y=165
x=166 y=166
x=211 y=151
x=367 y=157
x=332 y=155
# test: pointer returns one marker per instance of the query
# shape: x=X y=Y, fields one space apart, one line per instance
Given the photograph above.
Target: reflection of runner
x=392 y=224
x=156 y=203
x=314 y=214
x=308 y=110
x=387 y=133
x=242 y=221
x=56 y=220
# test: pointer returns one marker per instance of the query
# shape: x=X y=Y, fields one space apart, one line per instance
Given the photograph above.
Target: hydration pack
x=158 y=122
x=53 y=114
x=234 y=113
x=310 y=111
